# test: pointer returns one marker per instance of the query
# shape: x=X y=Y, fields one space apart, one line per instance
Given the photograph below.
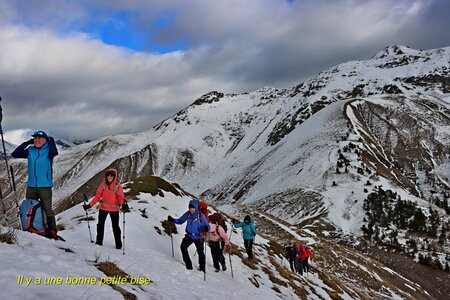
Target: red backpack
x=203 y=207
x=301 y=254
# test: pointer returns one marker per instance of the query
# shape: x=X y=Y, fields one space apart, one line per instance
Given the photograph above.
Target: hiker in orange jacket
x=110 y=194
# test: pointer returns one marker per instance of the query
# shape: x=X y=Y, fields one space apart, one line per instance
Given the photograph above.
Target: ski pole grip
x=12 y=177
x=85 y=198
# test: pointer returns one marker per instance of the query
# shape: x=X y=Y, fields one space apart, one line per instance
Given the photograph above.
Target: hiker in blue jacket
x=249 y=233
x=196 y=228
x=40 y=151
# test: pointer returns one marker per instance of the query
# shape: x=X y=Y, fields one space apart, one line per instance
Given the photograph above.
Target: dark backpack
x=31 y=216
x=217 y=219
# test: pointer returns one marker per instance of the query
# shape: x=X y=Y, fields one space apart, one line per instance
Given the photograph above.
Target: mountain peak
x=395 y=50
x=210 y=97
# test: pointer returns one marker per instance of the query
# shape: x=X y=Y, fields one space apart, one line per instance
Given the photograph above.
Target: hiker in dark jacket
x=249 y=233
x=290 y=255
x=196 y=228
x=40 y=151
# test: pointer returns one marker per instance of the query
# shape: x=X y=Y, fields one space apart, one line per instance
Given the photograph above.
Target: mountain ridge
x=309 y=154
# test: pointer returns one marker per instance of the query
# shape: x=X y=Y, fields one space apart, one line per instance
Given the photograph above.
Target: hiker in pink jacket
x=217 y=234
x=110 y=194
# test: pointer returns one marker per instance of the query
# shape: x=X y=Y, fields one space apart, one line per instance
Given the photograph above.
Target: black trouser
x=292 y=263
x=102 y=214
x=217 y=253
x=187 y=241
x=44 y=195
x=306 y=265
x=299 y=264
x=249 y=248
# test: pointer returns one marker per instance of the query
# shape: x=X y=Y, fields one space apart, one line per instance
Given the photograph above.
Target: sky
x=86 y=69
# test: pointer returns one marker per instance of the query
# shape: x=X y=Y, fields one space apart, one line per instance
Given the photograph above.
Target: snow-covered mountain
x=319 y=155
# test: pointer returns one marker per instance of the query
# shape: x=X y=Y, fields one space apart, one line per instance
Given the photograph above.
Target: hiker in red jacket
x=309 y=257
x=300 y=256
x=111 y=195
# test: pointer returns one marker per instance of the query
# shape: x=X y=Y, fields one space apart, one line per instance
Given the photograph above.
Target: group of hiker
x=299 y=257
x=200 y=227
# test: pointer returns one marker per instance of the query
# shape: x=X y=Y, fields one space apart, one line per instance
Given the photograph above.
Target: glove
x=125 y=208
x=86 y=206
x=234 y=221
x=30 y=142
x=254 y=234
x=170 y=219
x=228 y=249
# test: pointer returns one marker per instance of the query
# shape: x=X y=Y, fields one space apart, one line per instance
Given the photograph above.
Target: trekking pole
x=87 y=218
x=229 y=255
x=4 y=209
x=171 y=241
x=123 y=236
x=15 y=195
x=204 y=271
x=4 y=148
x=5 y=156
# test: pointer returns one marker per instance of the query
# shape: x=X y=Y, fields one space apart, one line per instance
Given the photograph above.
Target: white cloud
x=18 y=136
x=55 y=77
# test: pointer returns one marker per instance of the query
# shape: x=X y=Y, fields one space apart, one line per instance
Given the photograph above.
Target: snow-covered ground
x=147 y=255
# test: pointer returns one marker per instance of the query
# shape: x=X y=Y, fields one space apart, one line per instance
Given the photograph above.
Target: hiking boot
x=201 y=269
x=189 y=268
x=99 y=243
x=224 y=267
x=217 y=270
x=118 y=247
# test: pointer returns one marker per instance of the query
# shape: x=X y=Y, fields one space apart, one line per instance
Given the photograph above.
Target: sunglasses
x=39 y=133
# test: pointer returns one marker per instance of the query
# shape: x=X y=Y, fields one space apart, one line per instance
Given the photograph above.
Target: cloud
x=57 y=72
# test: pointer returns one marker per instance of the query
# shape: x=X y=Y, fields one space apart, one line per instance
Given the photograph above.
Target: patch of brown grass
x=9 y=237
x=149 y=184
x=333 y=287
x=89 y=218
x=273 y=278
x=67 y=250
x=254 y=281
x=276 y=248
x=111 y=269
x=169 y=227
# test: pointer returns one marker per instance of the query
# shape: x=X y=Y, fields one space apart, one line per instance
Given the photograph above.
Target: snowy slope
x=148 y=254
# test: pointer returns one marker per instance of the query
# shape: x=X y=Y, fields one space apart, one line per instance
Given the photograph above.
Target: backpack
x=217 y=219
x=301 y=251
x=32 y=216
x=203 y=207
